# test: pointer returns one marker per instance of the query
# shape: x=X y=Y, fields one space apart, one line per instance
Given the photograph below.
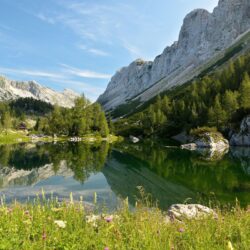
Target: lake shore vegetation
x=49 y=224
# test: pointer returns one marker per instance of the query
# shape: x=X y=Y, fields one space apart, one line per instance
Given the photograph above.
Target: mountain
x=204 y=38
x=10 y=90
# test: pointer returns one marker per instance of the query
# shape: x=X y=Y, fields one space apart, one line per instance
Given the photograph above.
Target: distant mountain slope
x=10 y=90
x=203 y=36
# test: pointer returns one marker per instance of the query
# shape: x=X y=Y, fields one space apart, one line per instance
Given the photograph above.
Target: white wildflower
x=60 y=223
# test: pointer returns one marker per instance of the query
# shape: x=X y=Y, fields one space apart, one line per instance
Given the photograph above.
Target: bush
x=201 y=130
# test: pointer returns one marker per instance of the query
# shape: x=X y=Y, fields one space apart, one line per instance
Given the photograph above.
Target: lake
x=170 y=175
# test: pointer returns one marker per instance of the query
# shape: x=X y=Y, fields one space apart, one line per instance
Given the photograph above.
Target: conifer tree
x=245 y=92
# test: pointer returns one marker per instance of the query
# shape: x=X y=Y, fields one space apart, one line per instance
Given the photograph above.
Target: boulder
x=190 y=211
x=213 y=140
x=182 y=137
x=243 y=137
x=134 y=139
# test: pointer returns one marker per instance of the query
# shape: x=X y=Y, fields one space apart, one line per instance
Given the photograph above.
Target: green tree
x=104 y=129
x=6 y=121
x=245 y=92
x=230 y=103
x=216 y=114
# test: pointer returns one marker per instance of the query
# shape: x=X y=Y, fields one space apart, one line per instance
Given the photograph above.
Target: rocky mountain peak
x=10 y=90
x=203 y=35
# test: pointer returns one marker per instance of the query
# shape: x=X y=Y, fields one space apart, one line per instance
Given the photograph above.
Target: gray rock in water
x=189 y=146
x=213 y=140
x=190 y=211
x=243 y=137
x=134 y=139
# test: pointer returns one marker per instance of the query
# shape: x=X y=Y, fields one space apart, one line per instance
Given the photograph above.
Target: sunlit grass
x=12 y=137
x=49 y=224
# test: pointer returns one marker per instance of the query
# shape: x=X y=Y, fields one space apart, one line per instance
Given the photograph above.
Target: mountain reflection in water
x=114 y=172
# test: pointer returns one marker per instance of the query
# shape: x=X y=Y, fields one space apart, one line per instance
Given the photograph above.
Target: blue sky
x=79 y=44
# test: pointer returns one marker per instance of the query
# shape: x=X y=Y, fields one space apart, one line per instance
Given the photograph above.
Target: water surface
x=170 y=175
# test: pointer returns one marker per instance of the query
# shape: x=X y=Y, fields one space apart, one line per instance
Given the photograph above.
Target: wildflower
x=60 y=223
x=106 y=248
x=109 y=219
x=181 y=230
x=229 y=245
x=26 y=212
x=92 y=219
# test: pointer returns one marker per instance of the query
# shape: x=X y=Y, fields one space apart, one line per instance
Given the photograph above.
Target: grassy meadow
x=47 y=224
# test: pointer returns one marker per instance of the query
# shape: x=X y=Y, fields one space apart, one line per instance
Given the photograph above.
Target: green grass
x=33 y=226
x=12 y=137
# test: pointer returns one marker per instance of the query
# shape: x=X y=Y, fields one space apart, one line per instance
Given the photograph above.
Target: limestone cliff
x=203 y=35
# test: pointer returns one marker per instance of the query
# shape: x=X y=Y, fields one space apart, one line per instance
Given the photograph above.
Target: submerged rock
x=190 y=211
x=243 y=137
x=134 y=139
x=189 y=146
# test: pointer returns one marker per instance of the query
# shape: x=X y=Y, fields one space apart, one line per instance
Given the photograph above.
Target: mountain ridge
x=11 y=90
x=203 y=35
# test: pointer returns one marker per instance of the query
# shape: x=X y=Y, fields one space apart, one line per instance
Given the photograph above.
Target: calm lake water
x=115 y=172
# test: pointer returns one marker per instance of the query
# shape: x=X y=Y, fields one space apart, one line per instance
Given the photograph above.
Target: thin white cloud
x=94 y=51
x=84 y=73
x=78 y=84
x=98 y=52
x=45 y=18
x=63 y=78
x=133 y=50
x=35 y=73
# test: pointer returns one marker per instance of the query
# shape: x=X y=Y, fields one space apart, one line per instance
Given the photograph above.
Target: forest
x=219 y=99
x=84 y=118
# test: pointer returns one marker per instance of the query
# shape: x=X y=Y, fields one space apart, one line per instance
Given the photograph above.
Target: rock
x=182 y=137
x=11 y=90
x=213 y=154
x=134 y=139
x=213 y=140
x=190 y=146
x=243 y=137
x=203 y=36
x=190 y=211
x=243 y=155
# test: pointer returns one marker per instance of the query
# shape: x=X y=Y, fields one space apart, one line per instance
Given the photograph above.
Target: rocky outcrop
x=211 y=145
x=243 y=137
x=190 y=211
x=203 y=35
x=10 y=90
x=212 y=140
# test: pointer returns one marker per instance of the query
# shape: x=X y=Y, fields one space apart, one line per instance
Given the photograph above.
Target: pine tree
x=245 y=92
x=104 y=129
x=230 y=103
x=6 y=121
x=216 y=114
